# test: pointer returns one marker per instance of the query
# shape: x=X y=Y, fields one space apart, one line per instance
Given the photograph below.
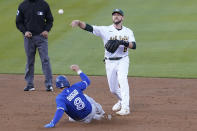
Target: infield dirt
x=157 y=104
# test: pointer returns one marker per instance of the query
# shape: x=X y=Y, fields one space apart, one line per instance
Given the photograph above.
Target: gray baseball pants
x=31 y=45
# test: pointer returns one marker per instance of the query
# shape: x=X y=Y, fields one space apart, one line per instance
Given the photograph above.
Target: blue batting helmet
x=62 y=81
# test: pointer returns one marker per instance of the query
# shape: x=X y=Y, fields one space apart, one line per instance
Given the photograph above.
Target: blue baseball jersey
x=73 y=101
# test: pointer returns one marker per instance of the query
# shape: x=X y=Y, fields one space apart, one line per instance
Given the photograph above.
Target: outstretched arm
x=61 y=108
x=82 y=25
x=58 y=115
x=78 y=23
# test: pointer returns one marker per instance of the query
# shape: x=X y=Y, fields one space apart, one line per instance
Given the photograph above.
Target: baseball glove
x=112 y=45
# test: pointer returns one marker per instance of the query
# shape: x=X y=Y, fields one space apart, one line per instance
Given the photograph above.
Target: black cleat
x=49 y=88
x=29 y=88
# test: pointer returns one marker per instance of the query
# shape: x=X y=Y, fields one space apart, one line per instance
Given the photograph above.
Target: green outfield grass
x=165 y=32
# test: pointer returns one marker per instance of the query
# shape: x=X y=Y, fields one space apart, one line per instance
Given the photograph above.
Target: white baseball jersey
x=111 y=33
x=117 y=70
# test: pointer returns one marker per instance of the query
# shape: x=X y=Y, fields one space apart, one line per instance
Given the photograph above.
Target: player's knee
x=45 y=60
x=122 y=78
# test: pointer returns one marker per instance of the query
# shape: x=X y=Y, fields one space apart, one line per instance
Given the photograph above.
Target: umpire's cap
x=119 y=11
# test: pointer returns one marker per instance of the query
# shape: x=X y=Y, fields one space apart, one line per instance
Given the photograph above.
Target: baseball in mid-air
x=60 y=11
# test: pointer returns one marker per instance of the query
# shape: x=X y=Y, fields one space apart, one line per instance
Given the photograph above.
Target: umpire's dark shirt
x=34 y=16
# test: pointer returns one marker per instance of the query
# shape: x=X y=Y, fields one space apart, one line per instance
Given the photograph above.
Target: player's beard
x=117 y=22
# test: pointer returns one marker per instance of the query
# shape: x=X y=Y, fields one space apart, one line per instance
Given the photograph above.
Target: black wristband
x=134 y=45
x=89 y=28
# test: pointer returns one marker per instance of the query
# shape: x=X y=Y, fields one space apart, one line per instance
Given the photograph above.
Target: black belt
x=113 y=58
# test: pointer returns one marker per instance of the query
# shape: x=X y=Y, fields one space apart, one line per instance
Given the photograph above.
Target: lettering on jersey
x=72 y=95
x=112 y=38
x=125 y=38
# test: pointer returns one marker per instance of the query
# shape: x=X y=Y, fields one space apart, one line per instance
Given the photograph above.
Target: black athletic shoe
x=49 y=88
x=29 y=88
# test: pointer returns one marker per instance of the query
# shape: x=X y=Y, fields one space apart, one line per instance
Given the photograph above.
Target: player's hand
x=45 y=34
x=28 y=34
x=75 y=23
x=74 y=68
x=50 y=125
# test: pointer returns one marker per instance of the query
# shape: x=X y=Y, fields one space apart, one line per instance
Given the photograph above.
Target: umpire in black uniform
x=34 y=19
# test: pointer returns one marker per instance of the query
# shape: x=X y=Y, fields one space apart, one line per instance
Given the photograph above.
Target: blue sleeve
x=58 y=115
x=60 y=103
x=85 y=78
x=61 y=108
x=84 y=83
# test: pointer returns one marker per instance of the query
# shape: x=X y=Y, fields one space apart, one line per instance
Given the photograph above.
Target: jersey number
x=79 y=103
x=125 y=49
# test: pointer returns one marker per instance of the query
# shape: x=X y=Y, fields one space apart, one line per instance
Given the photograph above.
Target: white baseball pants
x=117 y=72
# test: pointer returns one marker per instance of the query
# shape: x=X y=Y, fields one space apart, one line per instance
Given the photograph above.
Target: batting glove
x=50 y=125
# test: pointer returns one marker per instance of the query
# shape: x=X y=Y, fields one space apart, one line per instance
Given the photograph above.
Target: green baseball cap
x=119 y=11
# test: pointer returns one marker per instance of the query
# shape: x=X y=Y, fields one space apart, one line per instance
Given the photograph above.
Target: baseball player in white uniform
x=117 y=63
